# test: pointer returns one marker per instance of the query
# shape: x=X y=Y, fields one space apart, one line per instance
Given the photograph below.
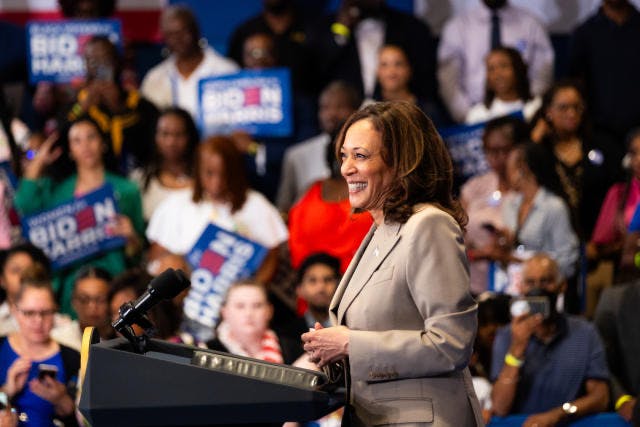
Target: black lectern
x=178 y=385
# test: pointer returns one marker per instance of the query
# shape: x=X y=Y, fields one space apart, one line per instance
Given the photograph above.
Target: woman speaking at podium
x=405 y=320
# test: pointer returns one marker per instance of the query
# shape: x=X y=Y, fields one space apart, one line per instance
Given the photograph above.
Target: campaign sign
x=256 y=101
x=76 y=229
x=54 y=48
x=465 y=146
x=219 y=258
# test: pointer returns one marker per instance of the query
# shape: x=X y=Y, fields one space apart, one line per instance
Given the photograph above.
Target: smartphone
x=530 y=305
x=45 y=370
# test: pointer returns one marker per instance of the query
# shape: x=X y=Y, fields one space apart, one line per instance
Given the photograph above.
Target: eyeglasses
x=32 y=314
x=86 y=300
x=563 y=108
x=542 y=282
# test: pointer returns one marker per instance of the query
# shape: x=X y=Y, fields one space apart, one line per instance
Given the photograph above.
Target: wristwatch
x=569 y=408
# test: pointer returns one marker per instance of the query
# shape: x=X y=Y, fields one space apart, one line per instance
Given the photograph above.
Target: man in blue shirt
x=550 y=365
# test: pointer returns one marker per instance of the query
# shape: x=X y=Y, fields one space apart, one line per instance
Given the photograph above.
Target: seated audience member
x=121 y=113
x=394 y=77
x=170 y=168
x=88 y=149
x=507 y=88
x=536 y=219
x=41 y=398
x=618 y=209
x=90 y=300
x=483 y=196
x=316 y=281
x=244 y=326
x=13 y=263
x=220 y=195
x=174 y=82
x=322 y=220
x=301 y=166
x=617 y=318
x=466 y=40
x=552 y=368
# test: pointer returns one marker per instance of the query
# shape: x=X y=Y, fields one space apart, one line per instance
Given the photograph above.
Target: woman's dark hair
x=152 y=169
x=63 y=167
x=116 y=59
x=520 y=74
x=318 y=258
x=513 y=127
x=539 y=160
x=135 y=279
x=92 y=272
x=34 y=252
x=584 y=129
x=417 y=157
x=235 y=181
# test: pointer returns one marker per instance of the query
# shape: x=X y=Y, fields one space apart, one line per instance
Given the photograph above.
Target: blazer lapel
x=352 y=285
x=337 y=296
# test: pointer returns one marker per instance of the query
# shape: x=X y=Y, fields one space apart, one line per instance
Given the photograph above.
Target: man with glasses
x=546 y=363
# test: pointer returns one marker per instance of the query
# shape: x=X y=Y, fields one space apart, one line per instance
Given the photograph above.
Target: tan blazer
x=413 y=322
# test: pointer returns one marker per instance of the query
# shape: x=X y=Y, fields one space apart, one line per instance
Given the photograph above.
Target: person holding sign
x=87 y=148
x=404 y=318
x=220 y=195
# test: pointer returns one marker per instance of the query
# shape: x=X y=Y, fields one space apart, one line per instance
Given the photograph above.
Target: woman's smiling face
x=363 y=167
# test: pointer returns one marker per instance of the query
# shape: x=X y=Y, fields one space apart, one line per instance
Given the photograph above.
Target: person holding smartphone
x=37 y=374
x=551 y=367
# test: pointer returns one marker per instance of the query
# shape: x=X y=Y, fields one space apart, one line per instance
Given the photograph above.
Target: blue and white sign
x=55 y=48
x=76 y=229
x=465 y=146
x=256 y=101
x=219 y=258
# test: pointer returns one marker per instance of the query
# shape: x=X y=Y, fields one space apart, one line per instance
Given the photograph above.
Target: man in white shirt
x=466 y=40
x=174 y=82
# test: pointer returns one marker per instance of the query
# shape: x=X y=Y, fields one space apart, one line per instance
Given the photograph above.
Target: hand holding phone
x=45 y=370
x=530 y=305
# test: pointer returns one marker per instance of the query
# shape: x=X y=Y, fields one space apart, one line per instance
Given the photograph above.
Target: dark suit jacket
x=617 y=319
x=334 y=61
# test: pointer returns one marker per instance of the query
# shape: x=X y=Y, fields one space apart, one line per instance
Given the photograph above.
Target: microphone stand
x=138 y=342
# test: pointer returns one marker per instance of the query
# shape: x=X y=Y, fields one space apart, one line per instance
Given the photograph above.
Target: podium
x=179 y=385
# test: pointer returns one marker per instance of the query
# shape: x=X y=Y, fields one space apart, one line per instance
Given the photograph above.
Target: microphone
x=164 y=287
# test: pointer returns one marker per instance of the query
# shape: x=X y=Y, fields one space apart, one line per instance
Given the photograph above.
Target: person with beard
x=300 y=167
x=467 y=39
x=553 y=368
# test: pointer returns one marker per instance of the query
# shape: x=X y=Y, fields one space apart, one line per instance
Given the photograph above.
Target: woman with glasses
x=583 y=162
x=90 y=300
x=38 y=375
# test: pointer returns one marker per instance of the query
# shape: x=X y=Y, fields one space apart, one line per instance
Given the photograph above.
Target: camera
x=530 y=305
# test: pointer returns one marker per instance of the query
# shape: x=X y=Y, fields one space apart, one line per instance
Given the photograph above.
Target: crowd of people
x=551 y=245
